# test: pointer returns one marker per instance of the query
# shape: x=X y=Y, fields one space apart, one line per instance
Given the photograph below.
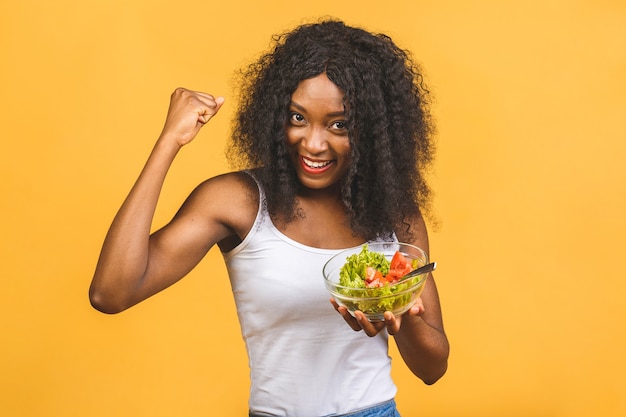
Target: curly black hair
x=387 y=111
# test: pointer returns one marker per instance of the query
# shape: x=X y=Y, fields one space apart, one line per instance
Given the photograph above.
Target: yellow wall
x=531 y=107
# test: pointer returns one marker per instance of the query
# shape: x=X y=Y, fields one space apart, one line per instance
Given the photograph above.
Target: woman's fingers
x=371 y=328
x=346 y=316
x=359 y=321
x=188 y=112
x=212 y=107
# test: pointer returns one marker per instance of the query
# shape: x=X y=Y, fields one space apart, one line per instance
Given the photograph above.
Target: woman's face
x=317 y=135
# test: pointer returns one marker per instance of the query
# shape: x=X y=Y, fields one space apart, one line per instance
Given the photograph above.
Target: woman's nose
x=314 y=140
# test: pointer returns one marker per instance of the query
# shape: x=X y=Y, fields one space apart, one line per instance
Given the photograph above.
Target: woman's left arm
x=420 y=336
x=419 y=333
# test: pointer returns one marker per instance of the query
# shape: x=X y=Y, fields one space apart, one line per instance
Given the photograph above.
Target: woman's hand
x=188 y=112
x=359 y=322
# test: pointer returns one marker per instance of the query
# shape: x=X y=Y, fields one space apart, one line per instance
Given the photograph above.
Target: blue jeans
x=386 y=409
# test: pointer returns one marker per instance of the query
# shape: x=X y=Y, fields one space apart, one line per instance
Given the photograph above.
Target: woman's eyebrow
x=297 y=106
x=332 y=114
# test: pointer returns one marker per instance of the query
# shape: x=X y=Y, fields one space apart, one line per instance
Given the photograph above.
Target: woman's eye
x=340 y=125
x=297 y=118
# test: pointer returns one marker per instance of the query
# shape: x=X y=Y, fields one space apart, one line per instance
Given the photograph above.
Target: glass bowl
x=373 y=302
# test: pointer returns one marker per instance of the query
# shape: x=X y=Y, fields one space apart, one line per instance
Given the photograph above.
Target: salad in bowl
x=373 y=278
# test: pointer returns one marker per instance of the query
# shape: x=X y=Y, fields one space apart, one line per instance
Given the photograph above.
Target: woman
x=334 y=131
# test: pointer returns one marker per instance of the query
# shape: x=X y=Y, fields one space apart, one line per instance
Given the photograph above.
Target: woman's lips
x=314 y=166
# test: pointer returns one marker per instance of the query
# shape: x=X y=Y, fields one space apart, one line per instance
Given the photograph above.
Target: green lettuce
x=352 y=273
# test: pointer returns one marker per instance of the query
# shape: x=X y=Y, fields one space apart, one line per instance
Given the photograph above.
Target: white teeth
x=313 y=164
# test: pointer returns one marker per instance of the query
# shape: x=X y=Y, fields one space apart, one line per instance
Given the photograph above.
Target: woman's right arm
x=133 y=265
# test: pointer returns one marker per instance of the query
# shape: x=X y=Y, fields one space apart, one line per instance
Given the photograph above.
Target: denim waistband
x=384 y=409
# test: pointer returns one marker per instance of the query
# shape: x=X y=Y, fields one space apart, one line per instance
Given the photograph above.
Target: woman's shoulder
x=231 y=200
x=414 y=230
x=232 y=188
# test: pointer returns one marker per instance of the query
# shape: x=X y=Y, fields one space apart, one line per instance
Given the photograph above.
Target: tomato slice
x=399 y=261
x=376 y=283
x=372 y=274
x=394 y=274
x=399 y=267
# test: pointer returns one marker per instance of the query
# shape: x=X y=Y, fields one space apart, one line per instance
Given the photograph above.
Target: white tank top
x=304 y=359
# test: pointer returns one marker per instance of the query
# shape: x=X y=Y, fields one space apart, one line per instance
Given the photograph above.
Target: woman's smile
x=314 y=166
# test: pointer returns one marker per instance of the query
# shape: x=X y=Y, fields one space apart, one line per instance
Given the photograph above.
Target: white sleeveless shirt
x=304 y=359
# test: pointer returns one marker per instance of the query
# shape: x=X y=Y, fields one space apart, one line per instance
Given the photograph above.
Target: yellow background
x=530 y=199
